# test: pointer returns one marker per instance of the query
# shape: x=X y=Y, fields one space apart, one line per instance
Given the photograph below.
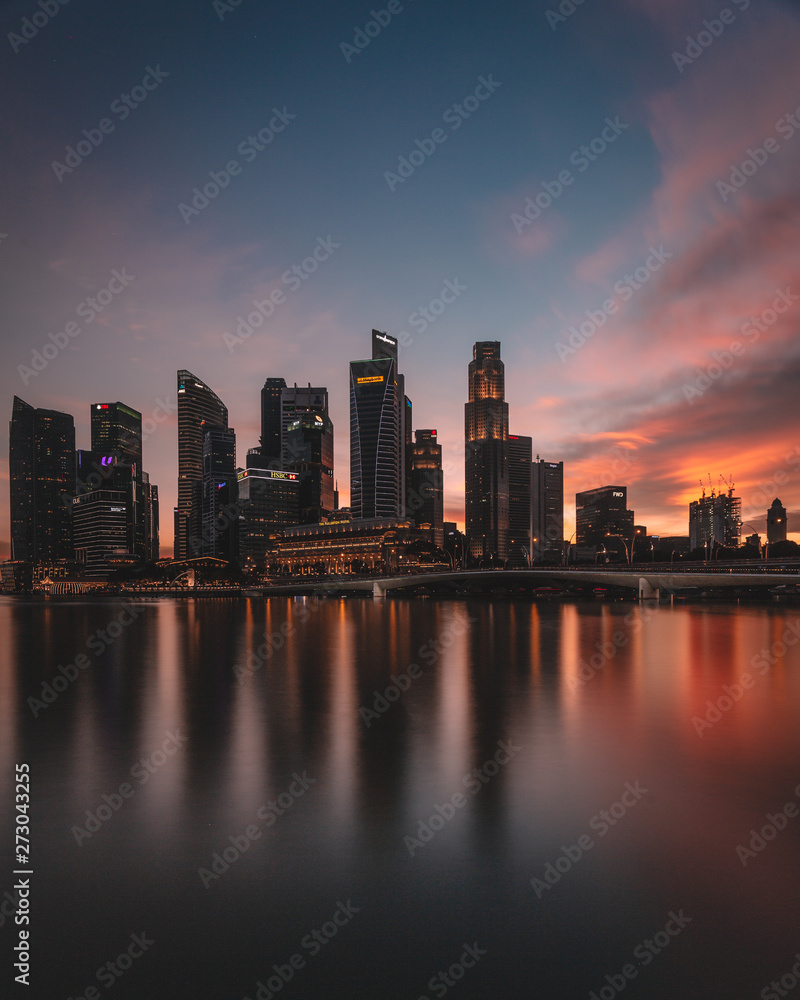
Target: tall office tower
x=547 y=507
x=271 y=436
x=520 y=450
x=298 y=401
x=219 y=507
x=486 y=432
x=42 y=482
x=309 y=442
x=776 y=522
x=715 y=520
x=151 y=520
x=377 y=433
x=117 y=444
x=101 y=522
x=196 y=403
x=384 y=346
x=267 y=502
x=425 y=501
x=601 y=514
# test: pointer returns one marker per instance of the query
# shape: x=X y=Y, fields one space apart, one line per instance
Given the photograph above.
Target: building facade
x=715 y=520
x=42 y=483
x=219 y=494
x=601 y=515
x=268 y=501
x=547 y=508
x=196 y=403
x=378 y=433
x=776 y=522
x=519 y=500
x=486 y=466
x=425 y=494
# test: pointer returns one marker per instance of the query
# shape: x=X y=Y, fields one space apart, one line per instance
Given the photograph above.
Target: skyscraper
x=776 y=522
x=425 y=501
x=219 y=496
x=603 y=513
x=486 y=433
x=298 y=401
x=117 y=445
x=547 y=507
x=196 y=403
x=42 y=482
x=715 y=520
x=151 y=520
x=377 y=433
x=309 y=444
x=519 y=499
x=271 y=426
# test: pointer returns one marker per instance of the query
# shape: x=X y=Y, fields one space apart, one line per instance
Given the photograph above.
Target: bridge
x=648 y=583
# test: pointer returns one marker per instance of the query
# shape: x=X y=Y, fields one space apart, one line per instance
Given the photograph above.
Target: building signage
x=370 y=378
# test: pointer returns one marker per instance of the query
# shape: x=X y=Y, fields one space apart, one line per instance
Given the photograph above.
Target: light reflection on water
x=512 y=672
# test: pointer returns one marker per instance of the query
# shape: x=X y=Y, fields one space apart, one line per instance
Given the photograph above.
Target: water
x=194 y=739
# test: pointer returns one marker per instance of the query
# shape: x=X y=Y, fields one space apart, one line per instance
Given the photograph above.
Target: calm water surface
x=567 y=743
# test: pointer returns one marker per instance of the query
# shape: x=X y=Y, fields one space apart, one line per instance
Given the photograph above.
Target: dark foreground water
x=222 y=818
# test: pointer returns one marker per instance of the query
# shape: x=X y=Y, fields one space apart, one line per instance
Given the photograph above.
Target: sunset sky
x=651 y=230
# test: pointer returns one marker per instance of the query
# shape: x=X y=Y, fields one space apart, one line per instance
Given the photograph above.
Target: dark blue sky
x=652 y=184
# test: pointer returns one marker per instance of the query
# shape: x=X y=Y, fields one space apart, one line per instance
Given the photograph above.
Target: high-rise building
x=377 y=433
x=117 y=445
x=601 y=514
x=486 y=432
x=271 y=435
x=715 y=520
x=425 y=496
x=547 y=507
x=268 y=501
x=519 y=499
x=101 y=520
x=196 y=403
x=219 y=496
x=776 y=522
x=42 y=482
x=298 y=401
x=151 y=520
x=309 y=443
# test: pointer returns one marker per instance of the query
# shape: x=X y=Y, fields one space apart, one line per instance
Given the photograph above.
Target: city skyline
x=640 y=219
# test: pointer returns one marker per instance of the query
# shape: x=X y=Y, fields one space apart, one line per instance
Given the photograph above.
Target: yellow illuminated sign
x=370 y=378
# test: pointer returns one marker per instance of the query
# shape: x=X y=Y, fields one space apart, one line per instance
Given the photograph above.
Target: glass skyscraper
x=42 y=482
x=196 y=403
